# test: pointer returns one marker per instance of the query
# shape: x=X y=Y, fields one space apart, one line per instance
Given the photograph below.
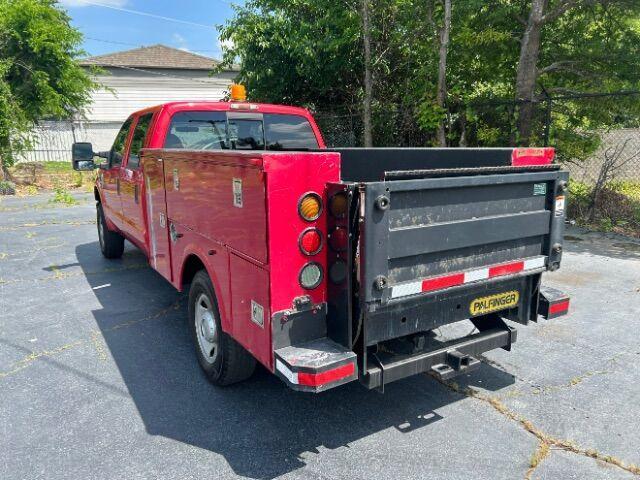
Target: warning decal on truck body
x=237 y=192
x=257 y=313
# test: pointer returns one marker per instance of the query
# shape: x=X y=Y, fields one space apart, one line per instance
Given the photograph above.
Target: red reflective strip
x=442 y=282
x=559 y=307
x=315 y=379
x=532 y=156
x=506 y=269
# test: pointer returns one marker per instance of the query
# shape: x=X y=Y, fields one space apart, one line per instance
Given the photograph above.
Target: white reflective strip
x=405 y=289
x=284 y=370
x=534 y=263
x=413 y=288
x=475 y=275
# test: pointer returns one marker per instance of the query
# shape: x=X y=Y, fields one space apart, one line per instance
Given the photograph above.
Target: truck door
x=131 y=182
x=156 y=214
x=111 y=203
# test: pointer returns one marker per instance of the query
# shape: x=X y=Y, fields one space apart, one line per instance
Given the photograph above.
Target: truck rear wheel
x=223 y=360
x=111 y=243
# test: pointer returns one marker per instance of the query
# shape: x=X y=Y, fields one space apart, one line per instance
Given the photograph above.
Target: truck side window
x=198 y=131
x=288 y=132
x=137 y=142
x=119 y=144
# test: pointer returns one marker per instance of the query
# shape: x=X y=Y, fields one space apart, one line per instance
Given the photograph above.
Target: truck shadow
x=261 y=428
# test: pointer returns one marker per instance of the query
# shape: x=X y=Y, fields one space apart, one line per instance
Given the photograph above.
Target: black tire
x=111 y=243
x=231 y=363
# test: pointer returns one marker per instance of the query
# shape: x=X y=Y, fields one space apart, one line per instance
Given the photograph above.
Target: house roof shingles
x=155 y=56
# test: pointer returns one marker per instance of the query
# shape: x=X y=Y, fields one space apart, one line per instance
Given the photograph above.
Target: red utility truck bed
x=328 y=266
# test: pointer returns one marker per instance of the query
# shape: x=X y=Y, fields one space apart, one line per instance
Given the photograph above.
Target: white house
x=131 y=80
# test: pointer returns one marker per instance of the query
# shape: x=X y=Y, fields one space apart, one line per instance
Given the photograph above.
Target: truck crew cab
x=328 y=266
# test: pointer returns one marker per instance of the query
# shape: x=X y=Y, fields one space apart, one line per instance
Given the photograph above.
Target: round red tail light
x=339 y=239
x=310 y=241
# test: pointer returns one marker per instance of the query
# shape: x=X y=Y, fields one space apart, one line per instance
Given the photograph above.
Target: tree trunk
x=527 y=73
x=368 y=82
x=463 y=129
x=441 y=96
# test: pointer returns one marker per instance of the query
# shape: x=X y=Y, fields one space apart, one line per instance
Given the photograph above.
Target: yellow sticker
x=493 y=303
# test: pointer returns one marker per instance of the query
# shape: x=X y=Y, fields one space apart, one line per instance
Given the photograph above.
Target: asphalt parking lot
x=98 y=380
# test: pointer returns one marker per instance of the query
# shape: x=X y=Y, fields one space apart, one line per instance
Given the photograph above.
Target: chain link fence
x=52 y=139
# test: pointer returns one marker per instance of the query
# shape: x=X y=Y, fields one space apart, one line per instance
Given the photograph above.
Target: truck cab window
x=288 y=132
x=246 y=134
x=198 y=131
x=137 y=142
x=119 y=144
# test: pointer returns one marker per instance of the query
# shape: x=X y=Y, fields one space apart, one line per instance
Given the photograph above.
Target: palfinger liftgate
x=432 y=247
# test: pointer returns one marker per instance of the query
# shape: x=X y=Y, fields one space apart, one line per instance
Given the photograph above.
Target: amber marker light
x=310 y=206
x=338 y=205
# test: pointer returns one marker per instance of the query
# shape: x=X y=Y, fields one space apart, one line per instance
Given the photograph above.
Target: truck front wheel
x=111 y=243
x=223 y=360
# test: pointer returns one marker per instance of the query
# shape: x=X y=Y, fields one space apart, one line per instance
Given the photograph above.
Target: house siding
x=123 y=91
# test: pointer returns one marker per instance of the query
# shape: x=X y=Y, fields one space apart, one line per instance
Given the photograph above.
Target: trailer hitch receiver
x=456 y=363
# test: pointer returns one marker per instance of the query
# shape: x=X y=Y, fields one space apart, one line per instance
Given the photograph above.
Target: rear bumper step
x=553 y=303
x=445 y=361
x=315 y=366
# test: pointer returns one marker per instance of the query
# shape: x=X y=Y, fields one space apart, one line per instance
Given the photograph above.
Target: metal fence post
x=547 y=120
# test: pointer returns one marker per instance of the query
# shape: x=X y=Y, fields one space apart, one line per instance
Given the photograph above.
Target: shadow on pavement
x=602 y=244
x=262 y=428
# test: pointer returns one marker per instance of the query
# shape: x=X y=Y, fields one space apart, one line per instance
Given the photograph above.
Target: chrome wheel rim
x=206 y=328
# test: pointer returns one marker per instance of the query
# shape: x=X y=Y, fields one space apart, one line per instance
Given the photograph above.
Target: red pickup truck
x=330 y=265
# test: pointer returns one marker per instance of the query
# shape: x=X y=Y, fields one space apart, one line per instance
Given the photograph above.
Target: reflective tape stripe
x=532 y=263
x=562 y=306
x=460 y=278
x=284 y=370
x=328 y=376
x=475 y=275
x=506 y=269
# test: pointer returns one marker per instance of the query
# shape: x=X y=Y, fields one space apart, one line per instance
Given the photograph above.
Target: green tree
x=39 y=75
x=311 y=53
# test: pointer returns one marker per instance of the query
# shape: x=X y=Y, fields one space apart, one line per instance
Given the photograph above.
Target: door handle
x=118 y=185
x=135 y=192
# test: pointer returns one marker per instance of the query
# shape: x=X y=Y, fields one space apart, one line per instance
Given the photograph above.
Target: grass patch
x=61 y=195
x=57 y=167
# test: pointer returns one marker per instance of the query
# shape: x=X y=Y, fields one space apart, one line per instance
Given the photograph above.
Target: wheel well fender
x=192 y=265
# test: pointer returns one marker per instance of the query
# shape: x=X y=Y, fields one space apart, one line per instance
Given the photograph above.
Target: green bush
x=627 y=188
x=7 y=188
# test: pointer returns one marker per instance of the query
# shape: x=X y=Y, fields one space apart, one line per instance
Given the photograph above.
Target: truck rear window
x=217 y=131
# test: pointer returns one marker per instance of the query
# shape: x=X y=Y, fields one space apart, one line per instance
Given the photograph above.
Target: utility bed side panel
x=370 y=164
x=289 y=177
x=250 y=308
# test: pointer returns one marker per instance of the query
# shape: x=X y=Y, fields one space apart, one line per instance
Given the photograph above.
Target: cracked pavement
x=98 y=380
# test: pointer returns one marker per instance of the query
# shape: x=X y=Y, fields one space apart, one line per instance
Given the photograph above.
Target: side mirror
x=82 y=156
